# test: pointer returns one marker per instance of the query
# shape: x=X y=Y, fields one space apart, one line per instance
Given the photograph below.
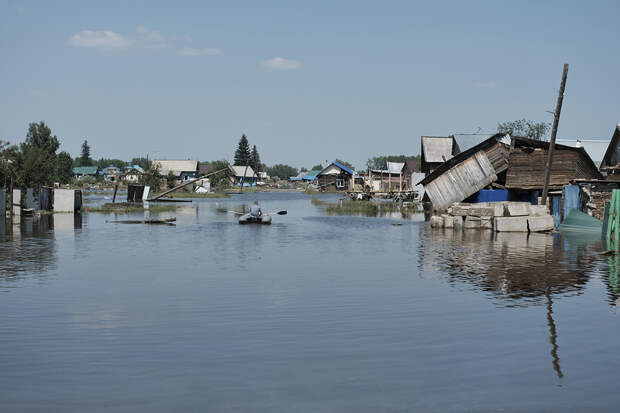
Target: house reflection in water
x=28 y=249
x=516 y=269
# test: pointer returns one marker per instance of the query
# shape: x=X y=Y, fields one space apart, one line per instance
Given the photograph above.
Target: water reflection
x=28 y=247
x=510 y=265
x=370 y=209
x=518 y=269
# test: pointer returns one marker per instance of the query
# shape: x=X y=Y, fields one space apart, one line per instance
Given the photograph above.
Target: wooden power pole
x=554 y=132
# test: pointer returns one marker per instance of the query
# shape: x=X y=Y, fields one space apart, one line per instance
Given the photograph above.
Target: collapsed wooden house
x=514 y=164
x=468 y=172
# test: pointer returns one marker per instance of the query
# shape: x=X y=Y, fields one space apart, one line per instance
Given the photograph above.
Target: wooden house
x=468 y=172
x=243 y=175
x=183 y=170
x=610 y=166
x=527 y=160
x=335 y=177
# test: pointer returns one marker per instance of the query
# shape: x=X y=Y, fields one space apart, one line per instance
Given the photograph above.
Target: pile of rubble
x=497 y=216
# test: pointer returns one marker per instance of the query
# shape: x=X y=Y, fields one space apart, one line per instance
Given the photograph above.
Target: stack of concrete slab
x=498 y=216
x=67 y=200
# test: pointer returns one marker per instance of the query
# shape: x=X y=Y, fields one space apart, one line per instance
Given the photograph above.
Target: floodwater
x=315 y=313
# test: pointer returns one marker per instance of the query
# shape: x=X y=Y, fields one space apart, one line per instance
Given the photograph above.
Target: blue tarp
x=571 y=199
x=492 y=195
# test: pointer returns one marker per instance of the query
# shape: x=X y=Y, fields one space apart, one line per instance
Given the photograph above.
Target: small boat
x=250 y=219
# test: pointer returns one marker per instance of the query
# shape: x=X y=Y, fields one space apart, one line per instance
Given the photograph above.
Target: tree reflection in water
x=29 y=248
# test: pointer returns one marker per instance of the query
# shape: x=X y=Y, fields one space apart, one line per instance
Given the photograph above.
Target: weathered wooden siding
x=498 y=156
x=526 y=168
x=461 y=181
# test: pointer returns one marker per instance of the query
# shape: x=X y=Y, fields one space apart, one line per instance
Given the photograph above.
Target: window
x=339 y=183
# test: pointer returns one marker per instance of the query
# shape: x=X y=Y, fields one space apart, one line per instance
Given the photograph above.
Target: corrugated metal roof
x=395 y=167
x=85 y=170
x=176 y=166
x=241 y=171
x=435 y=148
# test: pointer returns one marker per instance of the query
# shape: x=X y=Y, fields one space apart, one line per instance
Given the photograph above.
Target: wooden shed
x=436 y=150
x=610 y=166
x=527 y=160
x=467 y=172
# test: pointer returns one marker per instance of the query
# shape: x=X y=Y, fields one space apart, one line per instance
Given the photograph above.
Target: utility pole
x=554 y=132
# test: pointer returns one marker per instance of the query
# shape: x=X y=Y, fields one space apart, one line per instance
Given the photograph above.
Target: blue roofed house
x=335 y=177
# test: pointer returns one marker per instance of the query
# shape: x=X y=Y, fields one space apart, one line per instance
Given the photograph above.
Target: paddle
x=278 y=213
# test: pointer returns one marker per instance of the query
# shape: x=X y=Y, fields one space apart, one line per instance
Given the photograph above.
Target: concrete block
x=472 y=222
x=448 y=221
x=517 y=209
x=540 y=223
x=481 y=211
x=498 y=208
x=486 y=222
x=461 y=211
x=64 y=200
x=537 y=210
x=17 y=201
x=436 y=222
x=510 y=224
x=457 y=222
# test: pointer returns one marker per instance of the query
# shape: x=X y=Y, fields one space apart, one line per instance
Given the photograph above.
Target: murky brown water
x=316 y=312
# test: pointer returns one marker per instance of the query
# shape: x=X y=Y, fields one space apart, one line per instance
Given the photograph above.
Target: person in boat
x=255 y=210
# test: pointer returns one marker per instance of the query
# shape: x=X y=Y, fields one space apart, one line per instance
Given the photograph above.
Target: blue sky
x=306 y=81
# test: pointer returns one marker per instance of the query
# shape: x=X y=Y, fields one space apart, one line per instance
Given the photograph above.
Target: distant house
x=610 y=166
x=183 y=170
x=390 y=179
x=132 y=174
x=242 y=175
x=111 y=173
x=81 y=171
x=437 y=150
x=335 y=177
x=310 y=176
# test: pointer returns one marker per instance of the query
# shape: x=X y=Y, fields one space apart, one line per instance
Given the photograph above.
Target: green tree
x=152 y=177
x=380 y=162
x=282 y=171
x=8 y=157
x=36 y=160
x=242 y=154
x=105 y=162
x=171 y=180
x=85 y=156
x=142 y=162
x=255 y=160
x=525 y=128
x=64 y=168
x=318 y=167
x=220 y=180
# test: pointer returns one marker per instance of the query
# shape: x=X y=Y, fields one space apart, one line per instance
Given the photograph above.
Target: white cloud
x=190 y=51
x=486 y=83
x=150 y=39
x=110 y=41
x=101 y=39
x=280 y=63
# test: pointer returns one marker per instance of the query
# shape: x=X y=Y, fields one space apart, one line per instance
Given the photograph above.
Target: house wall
x=526 y=168
x=461 y=181
x=329 y=182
